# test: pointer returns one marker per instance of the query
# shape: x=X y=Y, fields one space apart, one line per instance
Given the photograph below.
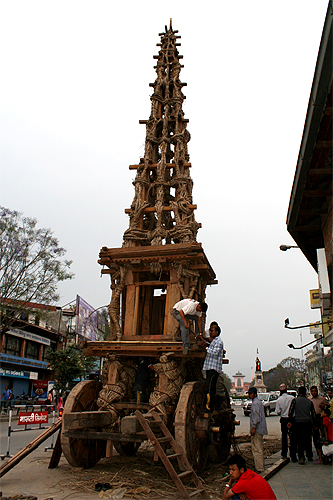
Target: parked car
x=268 y=399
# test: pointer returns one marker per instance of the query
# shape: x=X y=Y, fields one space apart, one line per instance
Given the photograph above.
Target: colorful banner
x=37 y=417
x=39 y=388
x=86 y=319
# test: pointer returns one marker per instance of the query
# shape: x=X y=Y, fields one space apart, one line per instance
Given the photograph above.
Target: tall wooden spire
x=160 y=261
x=162 y=209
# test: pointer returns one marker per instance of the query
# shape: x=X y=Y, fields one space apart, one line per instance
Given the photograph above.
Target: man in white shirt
x=282 y=408
x=183 y=311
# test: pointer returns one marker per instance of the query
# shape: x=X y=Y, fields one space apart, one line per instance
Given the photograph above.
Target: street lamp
x=291 y=346
x=284 y=248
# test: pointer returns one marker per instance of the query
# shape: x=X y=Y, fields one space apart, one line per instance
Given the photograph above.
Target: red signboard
x=37 y=417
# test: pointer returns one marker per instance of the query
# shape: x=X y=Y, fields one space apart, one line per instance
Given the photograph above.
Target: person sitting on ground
x=244 y=483
x=213 y=365
x=183 y=311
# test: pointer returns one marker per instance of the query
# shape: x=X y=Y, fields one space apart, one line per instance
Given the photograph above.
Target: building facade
x=309 y=219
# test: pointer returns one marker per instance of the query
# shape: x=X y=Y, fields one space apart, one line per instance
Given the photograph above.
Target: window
x=45 y=354
x=12 y=345
x=31 y=350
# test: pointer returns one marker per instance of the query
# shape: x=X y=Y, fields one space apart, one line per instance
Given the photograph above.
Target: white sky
x=74 y=84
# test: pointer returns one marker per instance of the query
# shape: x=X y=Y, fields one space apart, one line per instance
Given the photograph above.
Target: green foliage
x=67 y=365
x=31 y=265
x=290 y=371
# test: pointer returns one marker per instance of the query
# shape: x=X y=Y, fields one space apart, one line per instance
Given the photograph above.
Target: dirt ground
x=139 y=477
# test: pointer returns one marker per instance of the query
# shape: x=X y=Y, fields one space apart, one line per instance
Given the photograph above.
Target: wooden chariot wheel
x=191 y=402
x=126 y=448
x=81 y=452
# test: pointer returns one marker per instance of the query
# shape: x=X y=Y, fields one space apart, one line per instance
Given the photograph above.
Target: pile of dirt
x=139 y=477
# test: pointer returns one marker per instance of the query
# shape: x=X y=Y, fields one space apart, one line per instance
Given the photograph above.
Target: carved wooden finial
x=162 y=209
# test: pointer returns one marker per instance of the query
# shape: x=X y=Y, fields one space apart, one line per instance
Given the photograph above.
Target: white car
x=268 y=399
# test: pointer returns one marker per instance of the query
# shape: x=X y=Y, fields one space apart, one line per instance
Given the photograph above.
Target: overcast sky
x=74 y=85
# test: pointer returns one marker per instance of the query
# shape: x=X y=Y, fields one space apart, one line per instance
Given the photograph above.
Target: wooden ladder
x=183 y=463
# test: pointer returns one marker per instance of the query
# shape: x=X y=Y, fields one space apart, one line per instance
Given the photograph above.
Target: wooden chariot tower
x=160 y=261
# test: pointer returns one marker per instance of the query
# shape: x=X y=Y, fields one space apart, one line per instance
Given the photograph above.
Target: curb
x=273 y=469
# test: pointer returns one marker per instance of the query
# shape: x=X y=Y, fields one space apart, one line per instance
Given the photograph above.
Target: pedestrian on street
x=183 y=311
x=301 y=415
x=244 y=483
x=319 y=403
x=213 y=365
x=7 y=395
x=258 y=429
x=282 y=408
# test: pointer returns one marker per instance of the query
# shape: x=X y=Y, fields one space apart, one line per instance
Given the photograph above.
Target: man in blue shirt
x=258 y=429
x=213 y=365
x=7 y=396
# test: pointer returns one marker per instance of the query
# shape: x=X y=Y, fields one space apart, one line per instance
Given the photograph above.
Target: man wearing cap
x=282 y=408
x=258 y=429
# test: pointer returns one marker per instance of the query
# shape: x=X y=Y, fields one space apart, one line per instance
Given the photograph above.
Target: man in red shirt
x=244 y=483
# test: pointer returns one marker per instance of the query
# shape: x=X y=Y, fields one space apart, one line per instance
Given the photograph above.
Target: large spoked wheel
x=191 y=402
x=220 y=442
x=82 y=452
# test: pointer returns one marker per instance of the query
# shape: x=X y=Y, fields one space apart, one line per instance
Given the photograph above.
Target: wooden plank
x=104 y=436
x=56 y=454
x=136 y=349
x=84 y=420
x=136 y=311
x=130 y=301
x=29 y=448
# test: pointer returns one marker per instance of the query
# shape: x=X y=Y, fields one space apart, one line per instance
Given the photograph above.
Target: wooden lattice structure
x=160 y=252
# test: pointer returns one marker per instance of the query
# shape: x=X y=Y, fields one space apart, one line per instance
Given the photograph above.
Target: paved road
x=273 y=423
x=19 y=437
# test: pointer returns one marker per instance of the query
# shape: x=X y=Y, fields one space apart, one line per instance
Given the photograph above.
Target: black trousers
x=301 y=438
x=210 y=386
x=284 y=431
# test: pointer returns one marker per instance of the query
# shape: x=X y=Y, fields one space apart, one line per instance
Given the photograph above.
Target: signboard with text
x=37 y=417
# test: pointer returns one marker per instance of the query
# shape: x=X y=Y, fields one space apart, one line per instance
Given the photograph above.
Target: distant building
x=239 y=387
x=39 y=327
x=24 y=348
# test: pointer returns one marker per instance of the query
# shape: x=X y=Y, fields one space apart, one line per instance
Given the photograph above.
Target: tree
x=67 y=365
x=31 y=265
x=290 y=371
